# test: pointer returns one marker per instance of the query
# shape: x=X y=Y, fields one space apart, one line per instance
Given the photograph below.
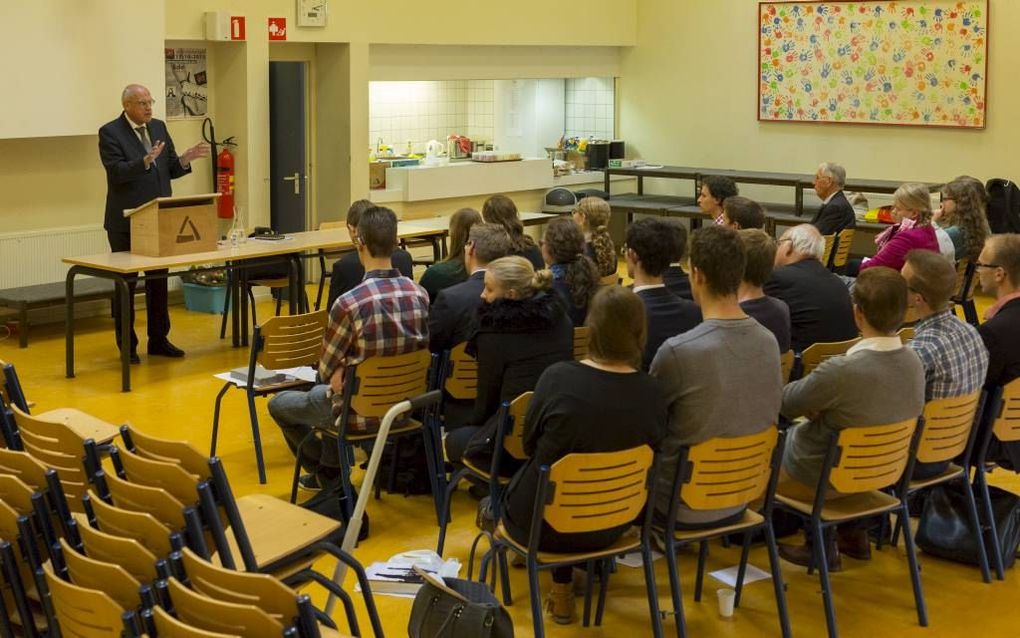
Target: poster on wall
x=910 y=63
x=186 y=83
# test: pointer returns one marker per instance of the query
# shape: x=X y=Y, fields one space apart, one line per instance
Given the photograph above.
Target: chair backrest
x=966 y=271
x=142 y=527
x=728 y=472
x=461 y=381
x=10 y=387
x=109 y=578
x=591 y=492
x=873 y=457
x=213 y=615
x=169 y=627
x=168 y=451
x=609 y=280
x=134 y=557
x=58 y=447
x=842 y=251
x=1006 y=426
x=947 y=427
x=243 y=588
x=580 y=342
x=381 y=382
x=138 y=497
x=906 y=333
x=24 y=466
x=816 y=353
x=83 y=612
x=830 y=241
x=290 y=341
x=513 y=439
x=786 y=365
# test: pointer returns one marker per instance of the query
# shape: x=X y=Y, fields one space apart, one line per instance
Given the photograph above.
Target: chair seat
x=626 y=543
x=483 y=474
x=750 y=519
x=329 y=632
x=282 y=282
x=952 y=472
x=81 y=423
x=410 y=426
x=852 y=506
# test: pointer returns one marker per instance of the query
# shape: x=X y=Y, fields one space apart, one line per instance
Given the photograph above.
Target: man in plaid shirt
x=386 y=314
x=954 y=357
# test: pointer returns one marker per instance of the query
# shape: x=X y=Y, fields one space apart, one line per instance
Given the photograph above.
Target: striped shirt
x=954 y=357
x=385 y=315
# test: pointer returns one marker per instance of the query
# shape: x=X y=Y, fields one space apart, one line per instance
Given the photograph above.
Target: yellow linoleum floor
x=174 y=398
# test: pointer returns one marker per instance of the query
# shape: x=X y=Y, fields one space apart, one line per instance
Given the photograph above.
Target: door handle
x=296 y=178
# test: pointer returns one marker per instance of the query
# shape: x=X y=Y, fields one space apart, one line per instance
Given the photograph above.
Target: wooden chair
x=840 y=255
x=949 y=433
x=724 y=473
x=87 y=613
x=14 y=606
x=861 y=462
x=1001 y=420
x=217 y=616
x=830 y=241
x=816 y=353
x=966 y=272
x=84 y=425
x=280 y=343
x=509 y=430
x=30 y=471
x=588 y=493
x=140 y=526
x=136 y=559
x=167 y=626
x=580 y=342
x=906 y=333
x=786 y=365
x=10 y=387
x=19 y=521
x=109 y=578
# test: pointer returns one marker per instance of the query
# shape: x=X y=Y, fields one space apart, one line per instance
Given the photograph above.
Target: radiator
x=34 y=257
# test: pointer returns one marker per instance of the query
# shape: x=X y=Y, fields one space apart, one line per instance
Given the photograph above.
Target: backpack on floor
x=1003 y=206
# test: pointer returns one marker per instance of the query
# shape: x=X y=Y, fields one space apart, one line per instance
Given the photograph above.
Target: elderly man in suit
x=140 y=160
x=836 y=212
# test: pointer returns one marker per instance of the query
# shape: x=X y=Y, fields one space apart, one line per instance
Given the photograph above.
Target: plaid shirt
x=954 y=356
x=385 y=315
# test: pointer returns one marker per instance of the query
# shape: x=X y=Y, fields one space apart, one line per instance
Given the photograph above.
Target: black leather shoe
x=134 y=358
x=165 y=349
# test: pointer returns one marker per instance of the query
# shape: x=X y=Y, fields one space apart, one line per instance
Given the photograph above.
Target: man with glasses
x=835 y=213
x=140 y=160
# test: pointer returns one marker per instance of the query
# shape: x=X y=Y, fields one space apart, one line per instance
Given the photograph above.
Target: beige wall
x=689 y=89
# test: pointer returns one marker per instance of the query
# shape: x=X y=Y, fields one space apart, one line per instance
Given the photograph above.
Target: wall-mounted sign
x=237 y=27
x=277 y=28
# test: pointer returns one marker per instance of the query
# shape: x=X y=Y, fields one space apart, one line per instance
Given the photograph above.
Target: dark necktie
x=144 y=138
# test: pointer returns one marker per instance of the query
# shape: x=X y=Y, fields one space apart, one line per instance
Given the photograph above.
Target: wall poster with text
x=187 y=83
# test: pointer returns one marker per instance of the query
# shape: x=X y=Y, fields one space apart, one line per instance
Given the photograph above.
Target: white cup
x=726 y=597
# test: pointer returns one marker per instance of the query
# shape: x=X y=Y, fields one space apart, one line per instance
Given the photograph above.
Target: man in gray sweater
x=721 y=378
x=877 y=382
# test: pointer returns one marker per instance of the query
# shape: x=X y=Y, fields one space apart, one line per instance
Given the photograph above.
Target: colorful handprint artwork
x=914 y=63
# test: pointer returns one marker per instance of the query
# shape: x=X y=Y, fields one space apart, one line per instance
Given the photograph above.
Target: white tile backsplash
x=590 y=107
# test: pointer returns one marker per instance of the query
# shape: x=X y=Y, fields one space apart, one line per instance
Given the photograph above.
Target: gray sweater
x=721 y=379
x=868 y=387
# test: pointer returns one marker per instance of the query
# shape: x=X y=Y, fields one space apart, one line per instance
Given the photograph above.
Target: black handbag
x=945 y=529
x=455 y=608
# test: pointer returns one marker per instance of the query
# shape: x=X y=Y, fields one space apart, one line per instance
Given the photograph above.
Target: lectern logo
x=183 y=237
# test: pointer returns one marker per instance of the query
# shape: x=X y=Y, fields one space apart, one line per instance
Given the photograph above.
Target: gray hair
x=834 y=171
x=129 y=91
x=806 y=240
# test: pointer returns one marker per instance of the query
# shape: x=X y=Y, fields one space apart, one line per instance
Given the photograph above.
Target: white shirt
x=829 y=198
x=878 y=344
x=638 y=289
x=134 y=127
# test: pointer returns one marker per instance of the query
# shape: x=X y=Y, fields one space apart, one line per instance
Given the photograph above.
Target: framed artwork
x=909 y=63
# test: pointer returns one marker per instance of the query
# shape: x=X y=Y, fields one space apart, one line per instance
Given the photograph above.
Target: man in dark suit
x=650 y=247
x=819 y=301
x=451 y=317
x=676 y=280
x=140 y=160
x=998 y=270
x=836 y=213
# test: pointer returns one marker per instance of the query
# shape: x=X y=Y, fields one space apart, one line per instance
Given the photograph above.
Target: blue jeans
x=298 y=413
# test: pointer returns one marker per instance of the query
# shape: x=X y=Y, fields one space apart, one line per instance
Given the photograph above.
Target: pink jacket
x=894 y=253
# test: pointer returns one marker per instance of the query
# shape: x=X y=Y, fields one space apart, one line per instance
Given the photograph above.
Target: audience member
x=500 y=209
x=962 y=216
x=451 y=270
x=912 y=209
x=715 y=190
x=577 y=408
x=741 y=212
x=836 y=213
x=649 y=249
x=674 y=277
x=386 y=314
x=877 y=382
x=349 y=271
x=522 y=330
x=575 y=277
x=722 y=377
x=998 y=270
x=774 y=314
x=819 y=302
x=592 y=215
x=954 y=357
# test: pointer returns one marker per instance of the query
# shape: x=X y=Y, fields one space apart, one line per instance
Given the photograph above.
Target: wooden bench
x=27 y=298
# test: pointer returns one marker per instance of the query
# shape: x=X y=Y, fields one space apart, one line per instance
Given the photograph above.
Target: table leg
x=294 y=289
x=798 y=199
x=605 y=186
x=121 y=288
x=236 y=295
x=243 y=306
x=23 y=325
x=69 y=322
x=641 y=185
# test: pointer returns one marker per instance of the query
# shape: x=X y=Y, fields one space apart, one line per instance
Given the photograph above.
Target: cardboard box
x=377 y=174
x=169 y=226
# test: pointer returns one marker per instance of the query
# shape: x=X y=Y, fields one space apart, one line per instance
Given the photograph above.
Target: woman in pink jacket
x=912 y=208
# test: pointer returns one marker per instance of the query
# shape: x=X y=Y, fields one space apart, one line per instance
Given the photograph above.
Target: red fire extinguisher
x=225 y=183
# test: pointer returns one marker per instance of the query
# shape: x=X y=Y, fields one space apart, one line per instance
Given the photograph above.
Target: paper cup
x=726 y=597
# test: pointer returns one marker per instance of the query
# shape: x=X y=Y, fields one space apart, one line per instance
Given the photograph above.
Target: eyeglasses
x=978 y=264
x=148 y=103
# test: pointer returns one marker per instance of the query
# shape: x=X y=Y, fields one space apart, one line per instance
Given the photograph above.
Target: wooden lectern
x=169 y=226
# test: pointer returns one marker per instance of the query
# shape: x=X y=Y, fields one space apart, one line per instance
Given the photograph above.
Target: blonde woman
x=912 y=209
x=592 y=215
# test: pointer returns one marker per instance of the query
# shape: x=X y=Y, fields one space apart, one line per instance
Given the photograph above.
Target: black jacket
x=452 y=318
x=1001 y=335
x=348 y=272
x=678 y=282
x=835 y=216
x=514 y=344
x=128 y=184
x=819 y=301
x=668 y=316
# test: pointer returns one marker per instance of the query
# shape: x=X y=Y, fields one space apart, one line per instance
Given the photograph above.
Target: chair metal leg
x=536 y=599
x=504 y=577
x=652 y=590
x=778 y=585
x=216 y=417
x=978 y=531
x=674 y=588
x=347 y=490
x=589 y=582
x=256 y=438
x=444 y=518
x=915 y=572
x=603 y=586
x=823 y=575
x=993 y=535
x=279 y=302
x=742 y=569
x=700 y=579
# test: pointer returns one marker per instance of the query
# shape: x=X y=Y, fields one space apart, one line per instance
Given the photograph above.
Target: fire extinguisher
x=223 y=171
